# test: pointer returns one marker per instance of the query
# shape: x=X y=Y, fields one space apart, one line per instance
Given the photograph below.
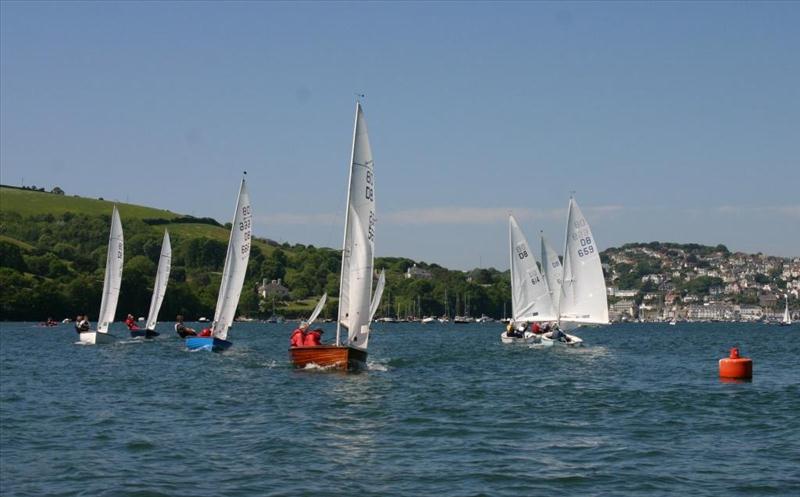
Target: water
x=442 y=410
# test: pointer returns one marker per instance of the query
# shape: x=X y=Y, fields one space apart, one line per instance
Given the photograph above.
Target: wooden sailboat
x=230 y=288
x=159 y=290
x=356 y=309
x=111 y=285
x=583 y=289
x=530 y=296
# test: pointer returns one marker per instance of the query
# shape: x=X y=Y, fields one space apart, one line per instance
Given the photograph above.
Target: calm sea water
x=442 y=410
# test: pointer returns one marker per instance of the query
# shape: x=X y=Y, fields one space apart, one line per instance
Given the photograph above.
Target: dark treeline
x=53 y=265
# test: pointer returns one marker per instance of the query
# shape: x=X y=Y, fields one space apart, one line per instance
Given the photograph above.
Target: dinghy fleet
x=546 y=302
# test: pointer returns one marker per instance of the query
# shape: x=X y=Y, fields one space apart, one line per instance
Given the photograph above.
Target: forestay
x=583 y=289
x=530 y=299
x=113 y=278
x=160 y=285
x=553 y=272
x=359 y=240
x=230 y=287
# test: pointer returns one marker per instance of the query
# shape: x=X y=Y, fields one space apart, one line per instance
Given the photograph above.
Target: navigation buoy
x=740 y=368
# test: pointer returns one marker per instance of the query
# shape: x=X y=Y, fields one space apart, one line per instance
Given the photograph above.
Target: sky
x=672 y=121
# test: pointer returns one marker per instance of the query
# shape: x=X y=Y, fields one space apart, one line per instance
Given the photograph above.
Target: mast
x=563 y=280
x=346 y=221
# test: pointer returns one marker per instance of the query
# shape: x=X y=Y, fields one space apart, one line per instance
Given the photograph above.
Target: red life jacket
x=536 y=328
x=131 y=324
x=297 y=339
x=312 y=339
x=205 y=333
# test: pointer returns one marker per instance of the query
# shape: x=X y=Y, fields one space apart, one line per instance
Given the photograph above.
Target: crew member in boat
x=298 y=337
x=183 y=330
x=130 y=322
x=536 y=329
x=313 y=338
x=515 y=331
x=557 y=334
x=205 y=333
x=82 y=323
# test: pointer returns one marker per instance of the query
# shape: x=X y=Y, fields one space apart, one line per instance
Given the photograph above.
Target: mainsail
x=162 y=278
x=530 y=298
x=583 y=288
x=230 y=287
x=553 y=272
x=113 y=278
x=355 y=286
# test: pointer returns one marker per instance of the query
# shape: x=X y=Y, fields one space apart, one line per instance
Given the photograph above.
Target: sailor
x=557 y=334
x=536 y=329
x=130 y=322
x=82 y=323
x=77 y=323
x=313 y=338
x=205 y=333
x=181 y=329
x=298 y=335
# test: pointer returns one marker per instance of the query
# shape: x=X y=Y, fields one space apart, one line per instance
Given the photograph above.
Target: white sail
x=318 y=309
x=583 y=288
x=787 y=319
x=113 y=278
x=160 y=285
x=376 y=297
x=530 y=297
x=359 y=240
x=553 y=272
x=230 y=287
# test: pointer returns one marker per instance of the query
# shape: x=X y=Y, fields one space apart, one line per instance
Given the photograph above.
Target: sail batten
x=162 y=278
x=113 y=276
x=236 y=259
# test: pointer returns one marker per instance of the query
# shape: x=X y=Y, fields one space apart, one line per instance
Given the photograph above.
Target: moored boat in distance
x=233 y=274
x=356 y=309
x=111 y=285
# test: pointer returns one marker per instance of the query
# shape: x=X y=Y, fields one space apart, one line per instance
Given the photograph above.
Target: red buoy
x=736 y=367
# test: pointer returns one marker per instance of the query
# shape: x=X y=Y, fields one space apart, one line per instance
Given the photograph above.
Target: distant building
x=767 y=299
x=418 y=273
x=273 y=289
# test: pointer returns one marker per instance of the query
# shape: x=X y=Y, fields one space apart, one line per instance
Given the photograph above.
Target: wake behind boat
x=230 y=287
x=356 y=309
x=111 y=286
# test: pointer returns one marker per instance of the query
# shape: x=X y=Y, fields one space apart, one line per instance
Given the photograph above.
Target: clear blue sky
x=673 y=121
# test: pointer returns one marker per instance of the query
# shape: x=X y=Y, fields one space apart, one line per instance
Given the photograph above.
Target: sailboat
x=111 y=285
x=159 y=290
x=230 y=288
x=356 y=309
x=787 y=319
x=530 y=296
x=582 y=299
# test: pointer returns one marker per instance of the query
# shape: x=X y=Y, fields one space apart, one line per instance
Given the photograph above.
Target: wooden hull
x=329 y=356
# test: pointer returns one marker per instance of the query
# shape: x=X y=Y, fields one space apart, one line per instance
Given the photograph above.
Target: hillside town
x=690 y=282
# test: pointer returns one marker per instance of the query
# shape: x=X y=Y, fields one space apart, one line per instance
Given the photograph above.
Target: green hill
x=53 y=250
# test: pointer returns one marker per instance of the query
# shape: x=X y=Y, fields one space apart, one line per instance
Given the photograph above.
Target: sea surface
x=442 y=410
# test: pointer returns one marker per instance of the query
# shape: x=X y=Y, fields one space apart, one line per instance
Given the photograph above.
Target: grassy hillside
x=35 y=203
x=31 y=202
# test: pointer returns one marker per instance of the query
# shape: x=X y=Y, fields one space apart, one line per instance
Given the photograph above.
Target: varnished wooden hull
x=329 y=356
